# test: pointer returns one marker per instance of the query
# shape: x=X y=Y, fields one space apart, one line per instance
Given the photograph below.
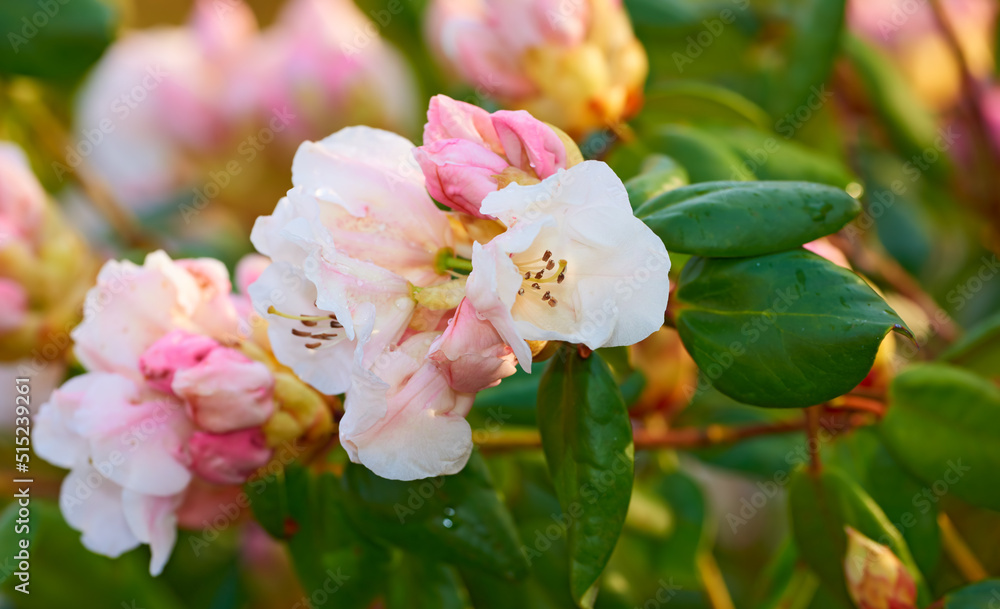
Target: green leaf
x=269 y=502
x=457 y=519
x=11 y=534
x=862 y=455
x=327 y=554
x=943 y=424
x=56 y=555
x=807 y=56
x=702 y=102
x=787 y=330
x=587 y=438
x=416 y=583
x=820 y=508
x=772 y=157
x=660 y=174
x=705 y=157
x=979 y=349
x=55 y=40
x=975 y=596
x=736 y=219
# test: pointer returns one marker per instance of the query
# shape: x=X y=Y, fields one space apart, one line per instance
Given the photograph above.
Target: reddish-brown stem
x=812 y=431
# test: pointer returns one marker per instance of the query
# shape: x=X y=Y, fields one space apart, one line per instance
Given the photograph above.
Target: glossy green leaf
x=820 y=508
x=458 y=519
x=943 y=424
x=861 y=455
x=975 y=596
x=587 y=438
x=269 y=502
x=659 y=174
x=785 y=330
x=416 y=583
x=806 y=57
x=327 y=553
x=774 y=157
x=737 y=219
x=704 y=156
x=55 y=40
x=979 y=349
x=701 y=102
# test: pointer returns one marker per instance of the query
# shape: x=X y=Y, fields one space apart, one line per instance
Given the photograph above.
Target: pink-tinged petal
x=54 y=436
x=352 y=289
x=492 y=289
x=248 y=269
x=153 y=520
x=22 y=199
x=131 y=307
x=452 y=119
x=460 y=173
x=226 y=391
x=485 y=61
x=326 y=366
x=204 y=501
x=223 y=29
x=402 y=420
x=92 y=504
x=530 y=144
x=372 y=201
x=875 y=577
x=228 y=458
x=824 y=248
x=177 y=350
x=471 y=354
x=136 y=438
x=13 y=304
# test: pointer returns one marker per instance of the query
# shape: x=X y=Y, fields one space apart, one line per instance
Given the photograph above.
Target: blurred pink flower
x=22 y=199
x=469 y=153
x=574 y=64
x=226 y=391
x=165 y=107
x=13 y=305
x=227 y=458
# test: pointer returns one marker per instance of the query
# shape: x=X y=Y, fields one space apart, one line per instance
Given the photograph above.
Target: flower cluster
x=45 y=268
x=574 y=63
x=410 y=310
x=164 y=106
x=172 y=408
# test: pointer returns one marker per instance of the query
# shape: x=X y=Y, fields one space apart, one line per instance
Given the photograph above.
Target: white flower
x=355 y=234
x=574 y=264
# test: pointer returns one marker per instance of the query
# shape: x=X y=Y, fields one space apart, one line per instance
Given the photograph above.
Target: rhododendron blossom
x=573 y=265
x=169 y=409
x=574 y=64
x=469 y=153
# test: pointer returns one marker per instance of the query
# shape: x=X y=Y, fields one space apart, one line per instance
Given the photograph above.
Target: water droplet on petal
x=447 y=523
x=449 y=511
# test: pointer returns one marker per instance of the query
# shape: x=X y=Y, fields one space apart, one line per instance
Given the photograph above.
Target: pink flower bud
x=177 y=350
x=466 y=150
x=228 y=458
x=876 y=579
x=470 y=354
x=226 y=391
